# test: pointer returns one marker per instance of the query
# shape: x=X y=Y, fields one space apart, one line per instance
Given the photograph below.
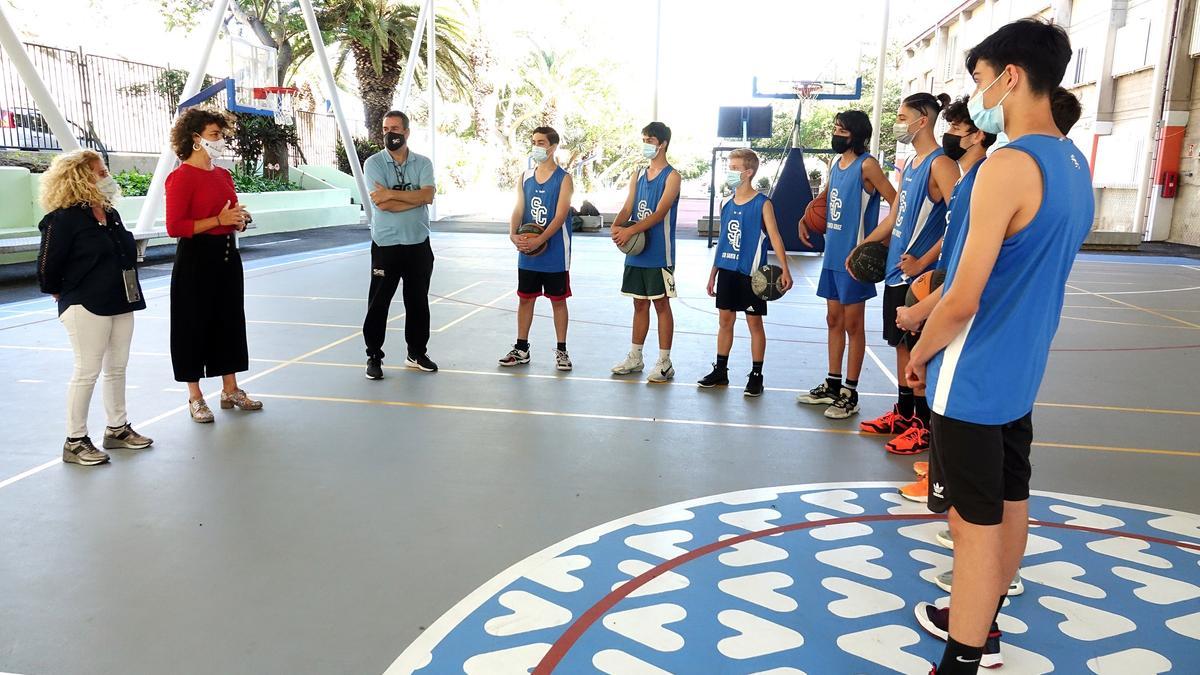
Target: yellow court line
x=668 y=420
x=1129 y=304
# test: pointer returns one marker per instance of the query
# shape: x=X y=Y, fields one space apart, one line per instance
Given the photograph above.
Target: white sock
x=664 y=356
x=636 y=350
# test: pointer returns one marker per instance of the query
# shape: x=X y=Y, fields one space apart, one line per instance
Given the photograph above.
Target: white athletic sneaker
x=561 y=360
x=943 y=538
x=631 y=364
x=945 y=581
x=663 y=371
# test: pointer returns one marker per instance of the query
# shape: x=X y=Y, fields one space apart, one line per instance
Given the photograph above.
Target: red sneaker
x=891 y=423
x=918 y=491
x=913 y=441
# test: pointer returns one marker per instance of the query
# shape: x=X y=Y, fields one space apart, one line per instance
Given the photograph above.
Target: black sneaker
x=754 y=385
x=845 y=405
x=818 y=395
x=719 y=377
x=937 y=623
x=374 y=368
x=421 y=362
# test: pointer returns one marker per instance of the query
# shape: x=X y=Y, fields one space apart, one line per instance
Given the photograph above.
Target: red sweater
x=195 y=194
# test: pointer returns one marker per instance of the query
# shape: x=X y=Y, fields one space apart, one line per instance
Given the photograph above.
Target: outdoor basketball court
x=329 y=532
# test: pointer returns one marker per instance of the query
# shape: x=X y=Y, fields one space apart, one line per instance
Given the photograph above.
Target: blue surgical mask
x=539 y=154
x=733 y=178
x=649 y=150
x=1001 y=141
x=988 y=120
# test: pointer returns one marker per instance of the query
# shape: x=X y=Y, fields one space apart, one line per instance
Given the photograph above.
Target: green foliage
x=763 y=184
x=167 y=85
x=364 y=147
x=133 y=183
x=254 y=133
x=696 y=168
x=814 y=176
x=136 y=184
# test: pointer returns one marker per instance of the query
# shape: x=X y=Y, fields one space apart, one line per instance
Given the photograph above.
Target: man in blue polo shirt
x=401 y=184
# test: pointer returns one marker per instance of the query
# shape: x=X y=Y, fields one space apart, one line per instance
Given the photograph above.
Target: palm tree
x=377 y=35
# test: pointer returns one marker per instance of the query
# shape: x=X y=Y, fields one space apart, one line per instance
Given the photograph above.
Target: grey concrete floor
x=324 y=533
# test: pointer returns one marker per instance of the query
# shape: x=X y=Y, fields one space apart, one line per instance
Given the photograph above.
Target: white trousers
x=101 y=343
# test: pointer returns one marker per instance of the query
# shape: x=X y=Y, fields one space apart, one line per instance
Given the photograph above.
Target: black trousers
x=208 y=316
x=412 y=264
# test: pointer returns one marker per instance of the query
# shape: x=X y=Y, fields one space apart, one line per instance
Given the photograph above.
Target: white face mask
x=539 y=154
x=214 y=148
x=108 y=187
x=649 y=151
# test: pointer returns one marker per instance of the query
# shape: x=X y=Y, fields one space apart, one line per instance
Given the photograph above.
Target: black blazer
x=82 y=261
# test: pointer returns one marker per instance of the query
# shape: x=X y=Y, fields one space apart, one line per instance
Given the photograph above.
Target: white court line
x=1148 y=311
x=475 y=311
x=154 y=420
x=870 y=352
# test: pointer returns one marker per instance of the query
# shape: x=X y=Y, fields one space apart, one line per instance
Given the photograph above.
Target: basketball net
x=807 y=90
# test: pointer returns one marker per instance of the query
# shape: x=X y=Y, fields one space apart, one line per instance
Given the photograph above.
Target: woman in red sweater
x=208 y=319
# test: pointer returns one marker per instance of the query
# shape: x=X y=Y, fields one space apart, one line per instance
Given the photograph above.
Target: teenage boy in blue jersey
x=856 y=183
x=543 y=198
x=747 y=226
x=651 y=207
x=1031 y=209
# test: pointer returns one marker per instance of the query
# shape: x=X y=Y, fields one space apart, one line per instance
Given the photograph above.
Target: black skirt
x=208 y=316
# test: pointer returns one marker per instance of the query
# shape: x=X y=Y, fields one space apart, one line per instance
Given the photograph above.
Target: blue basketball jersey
x=920 y=221
x=743 y=243
x=541 y=203
x=660 y=238
x=990 y=372
x=956 y=216
x=851 y=213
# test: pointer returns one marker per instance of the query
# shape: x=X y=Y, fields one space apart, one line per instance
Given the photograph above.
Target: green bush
x=133 y=183
x=137 y=184
x=363 y=146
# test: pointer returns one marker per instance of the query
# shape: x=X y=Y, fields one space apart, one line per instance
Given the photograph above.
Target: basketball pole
x=167 y=159
x=314 y=34
x=41 y=95
x=877 y=111
x=414 y=52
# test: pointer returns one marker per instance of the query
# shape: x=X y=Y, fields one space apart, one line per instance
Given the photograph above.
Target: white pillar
x=414 y=52
x=877 y=112
x=166 y=159
x=314 y=34
x=431 y=78
x=33 y=82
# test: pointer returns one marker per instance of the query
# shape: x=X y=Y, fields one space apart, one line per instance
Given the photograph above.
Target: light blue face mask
x=649 y=150
x=989 y=120
x=539 y=154
x=1001 y=141
x=733 y=178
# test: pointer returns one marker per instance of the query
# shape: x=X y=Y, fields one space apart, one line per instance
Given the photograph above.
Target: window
x=1077 y=69
x=953 y=59
x=1133 y=46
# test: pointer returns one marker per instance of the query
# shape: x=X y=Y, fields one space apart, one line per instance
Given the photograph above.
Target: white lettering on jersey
x=897 y=231
x=735 y=235
x=643 y=210
x=833 y=222
x=538 y=210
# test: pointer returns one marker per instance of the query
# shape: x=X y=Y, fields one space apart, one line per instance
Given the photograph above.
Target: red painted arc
x=558 y=651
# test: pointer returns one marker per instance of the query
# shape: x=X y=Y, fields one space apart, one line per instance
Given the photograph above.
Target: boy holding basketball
x=1031 y=210
x=543 y=198
x=856 y=183
x=747 y=223
x=650 y=208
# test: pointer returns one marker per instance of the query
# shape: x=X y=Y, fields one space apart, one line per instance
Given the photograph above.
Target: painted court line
x=1128 y=304
x=870 y=352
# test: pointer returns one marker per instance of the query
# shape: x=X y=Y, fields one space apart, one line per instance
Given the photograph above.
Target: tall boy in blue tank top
x=1031 y=209
x=543 y=198
x=913 y=234
x=651 y=207
x=747 y=225
x=856 y=182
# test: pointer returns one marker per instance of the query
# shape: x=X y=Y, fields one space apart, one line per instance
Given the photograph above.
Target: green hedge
x=137 y=184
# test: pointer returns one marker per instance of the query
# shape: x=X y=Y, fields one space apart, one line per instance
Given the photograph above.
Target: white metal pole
x=166 y=159
x=414 y=52
x=431 y=78
x=657 y=57
x=33 y=82
x=314 y=34
x=877 y=112
x=1154 y=122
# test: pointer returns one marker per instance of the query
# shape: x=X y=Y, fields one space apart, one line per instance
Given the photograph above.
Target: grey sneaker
x=845 y=405
x=83 y=452
x=125 y=438
x=663 y=371
x=943 y=538
x=946 y=579
x=561 y=360
x=818 y=395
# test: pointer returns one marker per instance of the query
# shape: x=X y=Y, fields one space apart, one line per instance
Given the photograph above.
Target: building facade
x=1133 y=71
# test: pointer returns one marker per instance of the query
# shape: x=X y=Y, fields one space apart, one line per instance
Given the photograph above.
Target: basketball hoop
x=807 y=90
x=278 y=100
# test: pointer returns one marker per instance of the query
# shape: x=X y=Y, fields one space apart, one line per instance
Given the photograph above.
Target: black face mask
x=840 y=144
x=952 y=146
x=394 y=141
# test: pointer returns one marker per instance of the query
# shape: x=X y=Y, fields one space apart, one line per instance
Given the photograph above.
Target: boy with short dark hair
x=747 y=224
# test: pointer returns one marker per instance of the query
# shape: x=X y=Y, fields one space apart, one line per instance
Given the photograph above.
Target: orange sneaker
x=918 y=491
x=913 y=441
x=921 y=469
x=891 y=423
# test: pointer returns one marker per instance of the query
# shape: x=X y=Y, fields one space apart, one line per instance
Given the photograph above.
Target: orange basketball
x=815 y=214
x=923 y=285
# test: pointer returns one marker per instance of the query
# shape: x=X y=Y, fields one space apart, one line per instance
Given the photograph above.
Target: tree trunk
x=376 y=89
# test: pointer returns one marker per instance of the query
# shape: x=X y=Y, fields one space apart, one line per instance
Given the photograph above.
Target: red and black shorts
x=554 y=285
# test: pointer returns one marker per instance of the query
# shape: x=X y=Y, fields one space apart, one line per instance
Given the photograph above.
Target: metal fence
x=118 y=106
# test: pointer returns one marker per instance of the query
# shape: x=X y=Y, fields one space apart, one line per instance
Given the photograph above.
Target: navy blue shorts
x=839 y=286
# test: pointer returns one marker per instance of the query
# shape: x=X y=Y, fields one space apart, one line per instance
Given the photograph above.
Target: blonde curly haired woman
x=87 y=262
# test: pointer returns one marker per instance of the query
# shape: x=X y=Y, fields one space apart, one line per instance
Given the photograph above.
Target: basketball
x=764 y=282
x=868 y=262
x=635 y=245
x=923 y=285
x=529 y=231
x=815 y=214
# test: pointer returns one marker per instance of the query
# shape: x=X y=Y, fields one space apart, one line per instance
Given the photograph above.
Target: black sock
x=722 y=362
x=75 y=440
x=922 y=405
x=834 y=382
x=756 y=368
x=907 y=404
x=523 y=345
x=852 y=385
x=959 y=659
x=562 y=346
